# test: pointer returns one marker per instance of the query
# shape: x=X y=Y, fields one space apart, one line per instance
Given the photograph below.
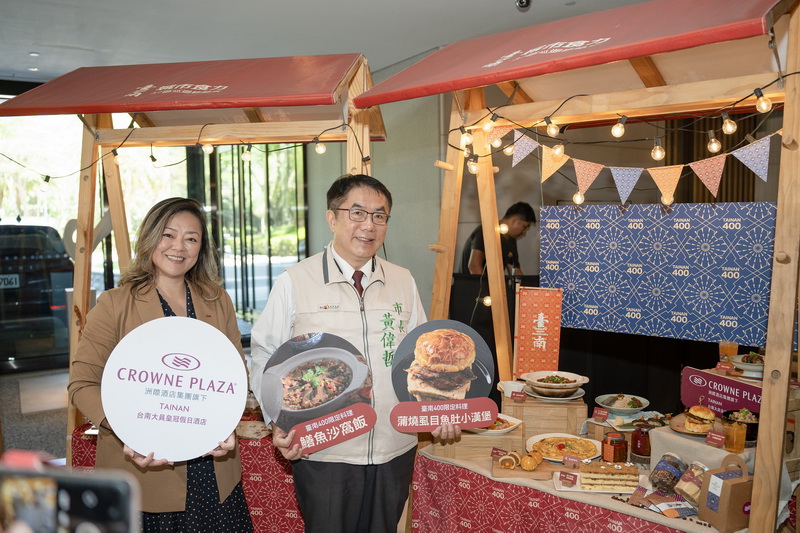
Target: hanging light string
x=529 y=129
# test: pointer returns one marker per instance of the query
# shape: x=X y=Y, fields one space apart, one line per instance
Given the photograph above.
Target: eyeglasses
x=360 y=215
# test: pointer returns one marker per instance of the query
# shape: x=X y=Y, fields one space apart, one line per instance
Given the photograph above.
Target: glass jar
x=640 y=441
x=615 y=448
x=667 y=473
x=691 y=482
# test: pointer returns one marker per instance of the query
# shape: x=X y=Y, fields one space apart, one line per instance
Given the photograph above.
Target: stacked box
x=541 y=416
x=472 y=445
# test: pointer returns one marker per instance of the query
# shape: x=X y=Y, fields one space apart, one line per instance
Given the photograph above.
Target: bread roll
x=445 y=350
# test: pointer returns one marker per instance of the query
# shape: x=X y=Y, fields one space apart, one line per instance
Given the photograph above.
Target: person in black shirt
x=519 y=217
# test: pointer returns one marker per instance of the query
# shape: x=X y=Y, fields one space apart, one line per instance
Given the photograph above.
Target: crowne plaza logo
x=181 y=362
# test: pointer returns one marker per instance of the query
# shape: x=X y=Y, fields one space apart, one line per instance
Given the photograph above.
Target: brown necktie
x=357 y=275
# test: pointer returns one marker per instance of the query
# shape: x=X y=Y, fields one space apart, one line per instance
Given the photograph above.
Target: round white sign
x=174 y=386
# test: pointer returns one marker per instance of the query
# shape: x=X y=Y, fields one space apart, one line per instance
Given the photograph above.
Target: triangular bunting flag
x=551 y=162
x=586 y=172
x=755 y=156
x=710 y=172
x=523 y=145
x=498 y=132
x=625 y=178
x=666 y=178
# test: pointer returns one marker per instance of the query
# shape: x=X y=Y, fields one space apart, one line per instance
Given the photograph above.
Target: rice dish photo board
x=319 y=385
x=174 y=386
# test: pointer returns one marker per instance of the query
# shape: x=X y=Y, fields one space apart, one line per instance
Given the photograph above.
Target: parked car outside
x=35 y=271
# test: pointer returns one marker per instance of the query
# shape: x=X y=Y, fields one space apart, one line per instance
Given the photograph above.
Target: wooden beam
x=264 y=132
x=782 y=302
x=495 y=269
x=452 y=179
x=116 y=201
x=651 y=102
x=647 y=71
x=358 y=147
x=82 y=280
x=514 y=90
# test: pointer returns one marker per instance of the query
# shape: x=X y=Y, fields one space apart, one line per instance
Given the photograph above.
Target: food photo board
x=442 y=372
x=320 y=385
x=174 y=386
x=685 y=271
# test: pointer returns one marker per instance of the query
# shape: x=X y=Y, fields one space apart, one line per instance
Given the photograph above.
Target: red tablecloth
x=266 y=480
x=452 y=499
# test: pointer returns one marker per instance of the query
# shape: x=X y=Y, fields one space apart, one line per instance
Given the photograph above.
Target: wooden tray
x=543 y=471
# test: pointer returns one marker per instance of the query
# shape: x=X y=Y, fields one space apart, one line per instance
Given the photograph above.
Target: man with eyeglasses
x=360 y=485
x=519 y=218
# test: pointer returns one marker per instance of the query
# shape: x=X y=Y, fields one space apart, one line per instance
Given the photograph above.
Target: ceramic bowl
x=554 y=390
x=622 y=411
x=753 y=370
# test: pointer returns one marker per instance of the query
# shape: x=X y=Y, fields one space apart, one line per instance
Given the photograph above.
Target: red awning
x=239 y=83
x=637 y=30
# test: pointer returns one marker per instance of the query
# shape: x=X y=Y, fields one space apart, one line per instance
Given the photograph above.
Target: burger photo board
x=442 y=372
x=174 y=386
x=320 y=385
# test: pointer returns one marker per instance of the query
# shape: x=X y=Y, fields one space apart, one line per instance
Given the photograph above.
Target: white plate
x=533 y=376
x=749 y=370
x=515 y=422
x=643 y=481
x=622 y=411
x=574 y=396
x=536 y=438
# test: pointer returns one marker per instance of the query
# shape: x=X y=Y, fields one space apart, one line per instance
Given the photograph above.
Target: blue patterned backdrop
x=689 y=271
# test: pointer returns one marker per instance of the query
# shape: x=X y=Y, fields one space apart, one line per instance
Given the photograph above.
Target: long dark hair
x=141 y=273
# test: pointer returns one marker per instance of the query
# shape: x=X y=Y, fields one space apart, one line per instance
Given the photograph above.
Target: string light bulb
x=552 y=129
x=728 y=125
x=117 y=159
x=487 y=301
x=45 y=184
x=763 y=104
x=467 y=152
x=319 y=147
x=618 y=129
x=667 y=200
x=497 y=142
x=466 y=137
x=208 y=149
x=658 y=153
x=714 y=145
x=247 y=155
x=509 y=150
x=558 y=150
x=503 y=228
x=489 y=126
x=578 y=198
x=472 y=165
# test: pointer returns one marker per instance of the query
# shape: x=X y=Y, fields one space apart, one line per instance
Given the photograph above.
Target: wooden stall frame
x=653 y=101
x=99 y=138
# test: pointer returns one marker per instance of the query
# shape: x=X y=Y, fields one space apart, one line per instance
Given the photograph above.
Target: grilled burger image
x=442 y=367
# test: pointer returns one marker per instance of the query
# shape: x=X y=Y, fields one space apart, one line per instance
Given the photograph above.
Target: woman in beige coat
x=174 y=273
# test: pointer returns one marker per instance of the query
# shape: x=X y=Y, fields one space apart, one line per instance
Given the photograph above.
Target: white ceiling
x=68 y=34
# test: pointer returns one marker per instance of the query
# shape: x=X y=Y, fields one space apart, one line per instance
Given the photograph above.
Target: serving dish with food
x=502 y=424
x=698 y=420
x=574 y=396
x=744 y=416
x=554 y=446
x=622 y=404
x=751 y=364
x=554 y=383
x=313 y=383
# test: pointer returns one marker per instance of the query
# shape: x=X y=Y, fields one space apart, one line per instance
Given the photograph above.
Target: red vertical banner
x=538 y=330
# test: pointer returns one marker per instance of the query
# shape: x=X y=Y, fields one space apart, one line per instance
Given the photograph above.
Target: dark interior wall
x=614 y=362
